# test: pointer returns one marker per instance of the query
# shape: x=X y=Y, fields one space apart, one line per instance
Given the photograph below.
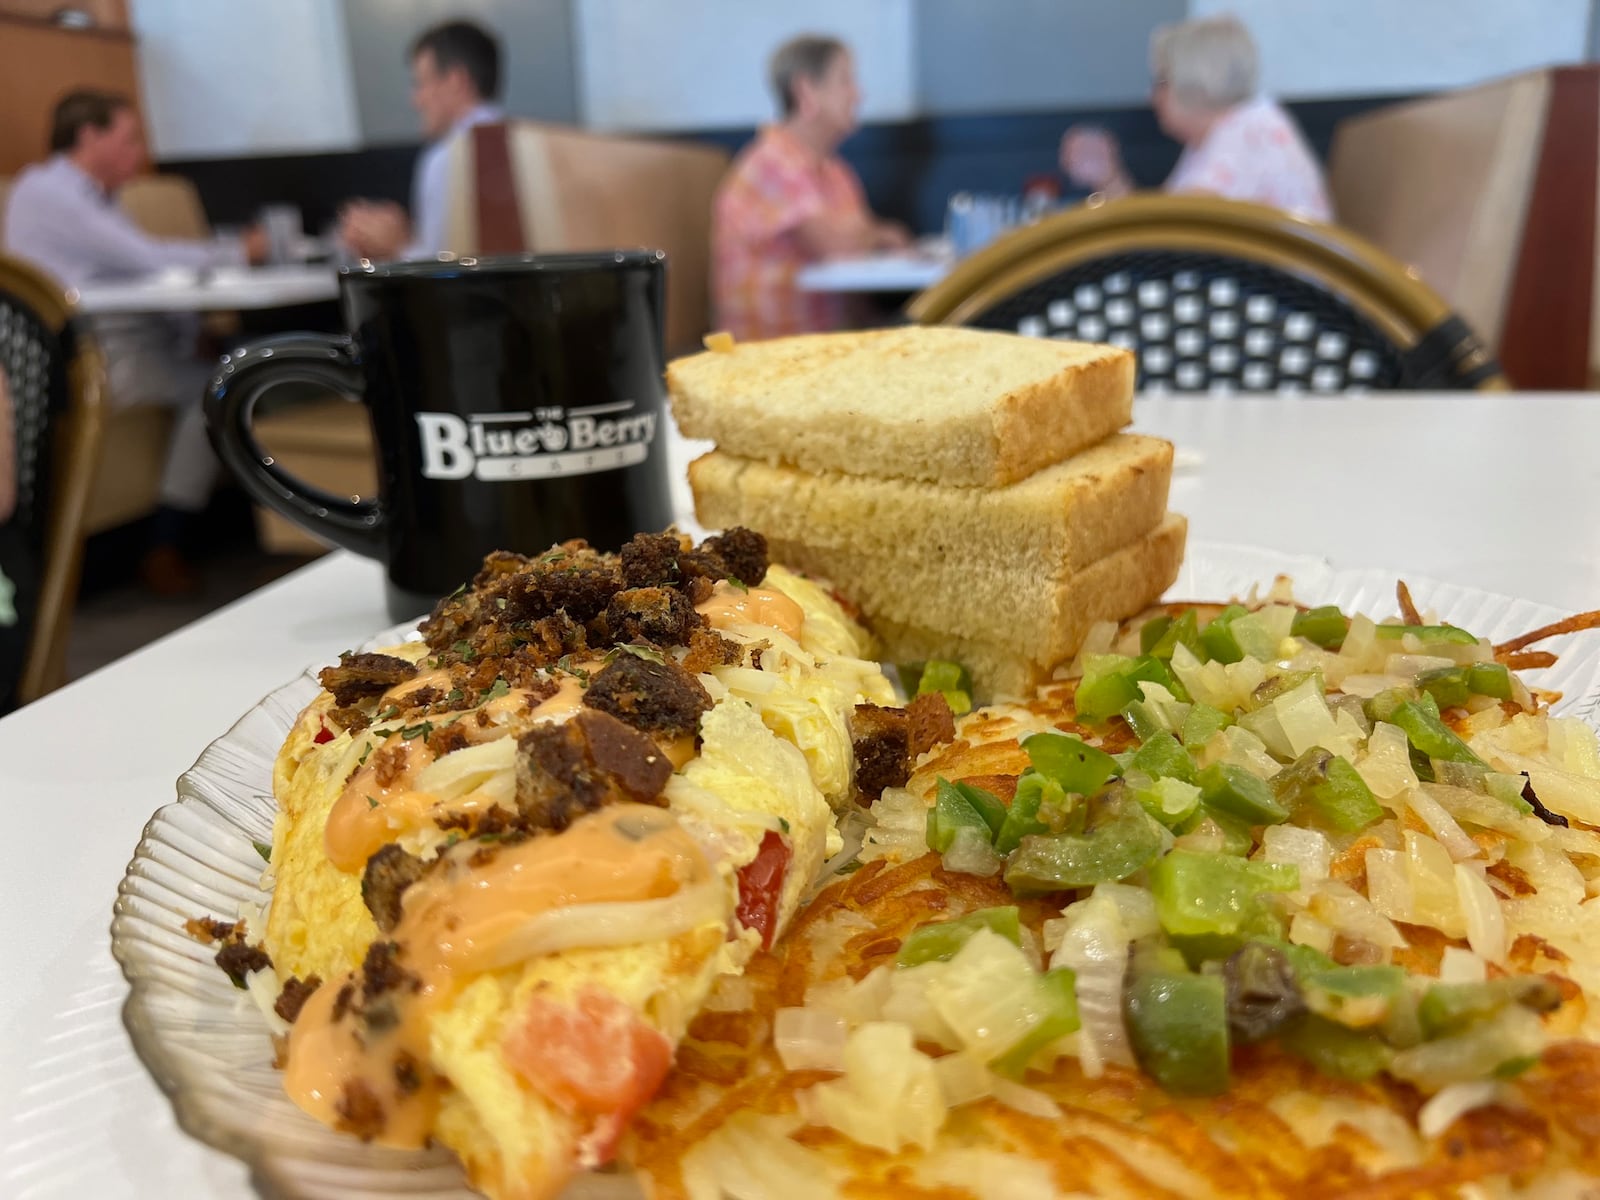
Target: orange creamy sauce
x=729 y=605
x=366 y=817
x=454 y=924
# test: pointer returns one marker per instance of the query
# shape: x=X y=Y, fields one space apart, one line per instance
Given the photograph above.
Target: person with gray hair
x=1237 y=143
x=789 y=199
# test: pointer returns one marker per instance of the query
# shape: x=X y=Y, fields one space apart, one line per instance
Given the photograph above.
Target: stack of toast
x=970 y=490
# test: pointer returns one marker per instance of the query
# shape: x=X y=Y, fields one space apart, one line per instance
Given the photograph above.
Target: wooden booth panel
x=39 y=63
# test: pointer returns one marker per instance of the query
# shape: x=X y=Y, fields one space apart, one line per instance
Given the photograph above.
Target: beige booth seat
x=1490 y=194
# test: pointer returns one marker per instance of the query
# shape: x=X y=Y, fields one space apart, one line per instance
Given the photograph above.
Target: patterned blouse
x=775 y=185
x=1256 y=152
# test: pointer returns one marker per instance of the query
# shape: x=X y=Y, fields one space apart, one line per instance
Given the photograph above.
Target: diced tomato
x=594 y=1057
x=323 y=735
x=761 y=886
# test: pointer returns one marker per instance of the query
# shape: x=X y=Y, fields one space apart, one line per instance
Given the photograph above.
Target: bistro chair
x=56 y=392
x=1217 y=296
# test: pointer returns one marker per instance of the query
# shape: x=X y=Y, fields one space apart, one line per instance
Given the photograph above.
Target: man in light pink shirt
x=790 y=200
x=1237 y=144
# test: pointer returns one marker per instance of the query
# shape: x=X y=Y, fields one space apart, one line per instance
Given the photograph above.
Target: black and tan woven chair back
x=1217 y=296
x=55 y=385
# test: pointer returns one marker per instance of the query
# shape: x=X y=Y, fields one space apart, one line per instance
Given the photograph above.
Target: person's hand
x=374 y=229
x=257 y=246
x=1090 y=158
x=891 y=235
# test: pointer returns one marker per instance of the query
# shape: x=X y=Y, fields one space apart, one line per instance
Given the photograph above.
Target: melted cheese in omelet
x=775 y=755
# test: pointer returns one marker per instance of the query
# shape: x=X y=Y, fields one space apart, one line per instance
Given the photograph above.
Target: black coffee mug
x=515 y=402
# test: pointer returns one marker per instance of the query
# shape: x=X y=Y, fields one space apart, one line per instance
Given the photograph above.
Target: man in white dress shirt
x=455 y=81
x=63 y=217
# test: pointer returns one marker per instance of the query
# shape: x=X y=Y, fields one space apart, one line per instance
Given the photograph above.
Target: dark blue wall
x=909 y=168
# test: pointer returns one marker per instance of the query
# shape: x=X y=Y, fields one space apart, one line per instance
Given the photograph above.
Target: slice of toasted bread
x=944 y=557
x=1115 y=587
x=954 y=406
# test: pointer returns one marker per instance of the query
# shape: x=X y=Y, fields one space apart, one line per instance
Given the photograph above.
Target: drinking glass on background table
x=285 y=232
x=515 y=402
x=973 y=220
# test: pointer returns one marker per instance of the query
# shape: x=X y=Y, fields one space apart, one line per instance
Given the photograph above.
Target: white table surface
x=223 y=289
x=908 y=272
x=1497 y=492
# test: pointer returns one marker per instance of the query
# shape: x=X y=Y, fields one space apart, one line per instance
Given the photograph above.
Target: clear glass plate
x=207 y=1047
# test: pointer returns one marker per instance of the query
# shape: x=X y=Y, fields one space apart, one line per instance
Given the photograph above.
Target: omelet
x=511 y=858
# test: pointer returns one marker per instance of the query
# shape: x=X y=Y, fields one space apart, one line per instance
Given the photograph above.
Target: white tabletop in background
x=1496 y=492
x=223 y=289
x=909 y=272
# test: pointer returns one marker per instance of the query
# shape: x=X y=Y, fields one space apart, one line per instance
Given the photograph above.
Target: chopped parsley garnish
x=264 y=849
x=453 y=694
x=738 y=585
x=362 y=761
x=499 y=688
x=465 y=650
x=371 y=801
x=566 y=664
x=389 y=713
x=783 y=824
x=420 y=730
x=459 y=591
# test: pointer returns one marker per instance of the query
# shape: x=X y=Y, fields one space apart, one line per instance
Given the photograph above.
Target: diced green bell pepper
x=1184 y=631
x=1237 y=833
x=1382 y=706
x=1058 y=993
x=1150 y=632
x=1022 y=818
x=1111 y=682
x=1325 y=786
x=1071 y=762
x=1325 y=626
x=1120 y=839
x=1161 y=757
x=1452 y=687
x=1178 y=1027
x=1213 y=893
x=940 y=940
x=1217 y=638
x=1429 y=633
x=1489 y=679
x=951 y=680
x=1431 y=735
x=1202 y=724
x=1450 y=1008
x=1357 y=997
x=1233 y=790
x=953 y=809
x=1141 y=718
x=1170 y=801
x=1263 y=995
x=1337 y=1050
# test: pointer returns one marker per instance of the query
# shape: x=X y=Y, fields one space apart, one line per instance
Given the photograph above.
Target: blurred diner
x=1237 y=143
x=455 y=85
x=789 y=199
x=62 y=216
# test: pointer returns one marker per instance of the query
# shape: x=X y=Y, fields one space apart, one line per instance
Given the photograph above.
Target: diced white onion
x=1461 y=966
x=808 y=1039
x=1389 y=884
x=623 y=923
x=1386 y=766
x=1094 y=943
x=1306 y=930
x=988 y=994
x=1297 y=846
x=264 y=988
x=963 y=1078
x=971 y=853
x=1441 y=1112
x=1024 y=1099
x=888 y=1097
x=1443 y=826
x=1480 y=907
x=1433 y=885
x=1409 y=666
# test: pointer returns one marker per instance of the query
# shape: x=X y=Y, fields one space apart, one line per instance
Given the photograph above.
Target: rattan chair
x=1217 y=295
x=56 y=389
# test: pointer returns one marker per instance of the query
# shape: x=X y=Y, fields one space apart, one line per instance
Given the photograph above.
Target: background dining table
x=1499 y=492
x=221 y=289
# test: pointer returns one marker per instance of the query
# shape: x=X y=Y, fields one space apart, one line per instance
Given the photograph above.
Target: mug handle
x=230 y=400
